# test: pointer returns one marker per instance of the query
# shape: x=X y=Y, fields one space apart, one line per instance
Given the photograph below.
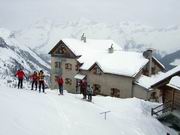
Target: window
x=96 y=71
x=154 y=70
x=68 y=81
x=62 y=50
x=154 y=97
x=77 y=67
x=68 y=66
x=56 y=77
x=145 y=72
x=115 y=92
x=97 y=89
x=57 y=64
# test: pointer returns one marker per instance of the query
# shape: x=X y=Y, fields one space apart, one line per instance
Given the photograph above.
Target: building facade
x=112 y=74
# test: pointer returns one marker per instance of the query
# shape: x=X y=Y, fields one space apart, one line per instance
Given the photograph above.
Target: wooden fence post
x=152 y=111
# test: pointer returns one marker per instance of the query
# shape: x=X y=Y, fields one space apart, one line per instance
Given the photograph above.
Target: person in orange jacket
x=34 y=78
x=41 y=81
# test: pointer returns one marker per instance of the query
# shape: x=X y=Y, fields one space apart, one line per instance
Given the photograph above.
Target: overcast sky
x=16 y=14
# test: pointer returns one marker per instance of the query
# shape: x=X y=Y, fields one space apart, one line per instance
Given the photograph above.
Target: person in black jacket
x=83 y=88
x=89 y=92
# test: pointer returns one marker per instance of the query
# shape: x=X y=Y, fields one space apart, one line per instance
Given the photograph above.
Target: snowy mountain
x=171 y=60
x=26 y=112
x=176 y=62
x=14 y=55
x=44 y=34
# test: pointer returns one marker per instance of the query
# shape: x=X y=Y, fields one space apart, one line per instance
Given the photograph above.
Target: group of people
x=86 y=90
x=37 y=78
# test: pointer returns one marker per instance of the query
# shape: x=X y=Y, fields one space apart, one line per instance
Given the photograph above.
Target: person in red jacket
x=20 y=74
x=34 y=78
x=60 y=82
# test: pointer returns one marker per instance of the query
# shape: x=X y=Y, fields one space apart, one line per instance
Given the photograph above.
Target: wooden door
x=97 y=89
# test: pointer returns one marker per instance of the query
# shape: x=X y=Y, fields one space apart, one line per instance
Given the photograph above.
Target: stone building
x=109 y=69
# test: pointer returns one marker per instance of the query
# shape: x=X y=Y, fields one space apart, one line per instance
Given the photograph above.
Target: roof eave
x=166 y=78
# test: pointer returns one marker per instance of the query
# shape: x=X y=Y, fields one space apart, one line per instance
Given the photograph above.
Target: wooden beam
x=173 y=92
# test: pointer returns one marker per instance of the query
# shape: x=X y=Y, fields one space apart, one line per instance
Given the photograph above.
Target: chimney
x=83 y=38
x=148 y=55
x=111 y=49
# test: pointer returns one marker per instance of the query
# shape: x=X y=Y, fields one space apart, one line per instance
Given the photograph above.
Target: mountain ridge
x=14 y=55
x=170 y=58
x=44 y=34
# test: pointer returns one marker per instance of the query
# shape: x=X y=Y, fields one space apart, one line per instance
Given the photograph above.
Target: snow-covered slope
x=171 y=60
x=26 y=112
x=44 y=34
x=176 y=62
x=14 y=55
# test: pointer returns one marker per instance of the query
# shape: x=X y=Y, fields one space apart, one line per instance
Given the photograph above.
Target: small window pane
x=68 y=81
x=115 y=92
x=68 y=66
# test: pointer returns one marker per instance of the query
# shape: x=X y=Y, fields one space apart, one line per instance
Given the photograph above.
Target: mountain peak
x=5 y=33
x=2 y=43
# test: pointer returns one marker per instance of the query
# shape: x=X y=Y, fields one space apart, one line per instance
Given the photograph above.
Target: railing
x=167 y=106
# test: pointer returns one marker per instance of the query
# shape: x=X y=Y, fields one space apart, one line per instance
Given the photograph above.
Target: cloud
x=16 y=14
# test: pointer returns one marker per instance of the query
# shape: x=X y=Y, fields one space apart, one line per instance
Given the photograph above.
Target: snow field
x=26 y=112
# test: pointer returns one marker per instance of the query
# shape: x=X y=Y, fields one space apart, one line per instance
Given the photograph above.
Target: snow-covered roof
x=147 y=82
x=168 y=74
x=119 y=62
x=79 y=76
x=159 y=62
x=175 y=82
x=96 y=51
x=78 y=47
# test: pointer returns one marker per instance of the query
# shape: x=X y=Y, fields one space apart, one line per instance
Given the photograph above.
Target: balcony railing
x=163 y=108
